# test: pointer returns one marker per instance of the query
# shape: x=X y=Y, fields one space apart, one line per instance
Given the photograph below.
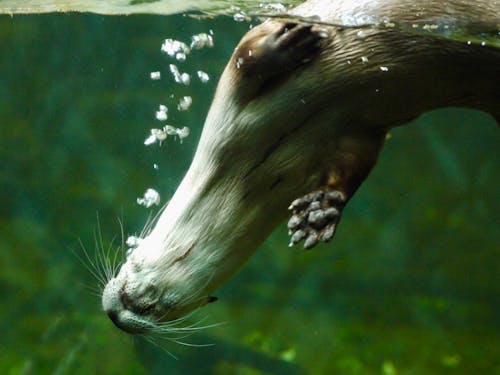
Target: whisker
x=89 y=264
x=152 y=341
x=123 y=248
x=190 y=344
x=190 y=328
x=99 y=258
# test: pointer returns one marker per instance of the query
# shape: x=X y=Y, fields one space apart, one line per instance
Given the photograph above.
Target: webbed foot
x=315 y=217
x=271 y=51
x=292 y=45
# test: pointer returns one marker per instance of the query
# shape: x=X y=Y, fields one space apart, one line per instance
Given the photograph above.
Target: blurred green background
x=410 y=285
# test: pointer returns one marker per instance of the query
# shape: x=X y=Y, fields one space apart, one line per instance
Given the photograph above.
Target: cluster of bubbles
x=159 y=135
x=179 y=51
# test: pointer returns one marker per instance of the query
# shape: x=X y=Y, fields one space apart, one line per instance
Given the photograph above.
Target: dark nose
x=113 y=315
x=114 y=318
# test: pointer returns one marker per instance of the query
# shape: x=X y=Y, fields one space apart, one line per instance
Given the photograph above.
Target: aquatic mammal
x=298 y=119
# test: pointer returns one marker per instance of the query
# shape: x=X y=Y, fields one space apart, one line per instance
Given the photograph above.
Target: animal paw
x=297 y=43
x=315 y=217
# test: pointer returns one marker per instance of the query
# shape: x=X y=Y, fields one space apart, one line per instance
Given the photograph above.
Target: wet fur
x=296 y=109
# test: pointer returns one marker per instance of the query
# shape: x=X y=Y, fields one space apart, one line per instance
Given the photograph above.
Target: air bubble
x=151 y=197
x=155 y=76
x=161 y=114
x=202 y=40
x=204 y=77
x=183 y=78
x=184 y=103
x=175 y=48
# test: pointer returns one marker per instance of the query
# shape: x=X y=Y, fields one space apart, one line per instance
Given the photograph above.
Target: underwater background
x=409 y=285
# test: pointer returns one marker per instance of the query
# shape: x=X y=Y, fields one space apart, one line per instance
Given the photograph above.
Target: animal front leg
x=271 y=52
x=316 y=215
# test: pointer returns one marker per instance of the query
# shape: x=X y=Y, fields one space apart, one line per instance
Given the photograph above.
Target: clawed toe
x=315 y=217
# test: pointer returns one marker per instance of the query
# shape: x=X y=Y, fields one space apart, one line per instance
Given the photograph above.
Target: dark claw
x=298 y=204
x=311 y=240
x=331 y=213
x=297 y=237
x=294 y=222
x=328 y=233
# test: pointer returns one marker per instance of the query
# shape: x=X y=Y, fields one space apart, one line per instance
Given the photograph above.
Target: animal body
x=297 y=122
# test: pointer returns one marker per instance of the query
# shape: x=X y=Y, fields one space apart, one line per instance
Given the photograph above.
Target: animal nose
x=113 y=315
x=125 y=324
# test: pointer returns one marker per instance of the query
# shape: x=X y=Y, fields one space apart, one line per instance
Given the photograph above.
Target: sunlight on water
x=142 y=7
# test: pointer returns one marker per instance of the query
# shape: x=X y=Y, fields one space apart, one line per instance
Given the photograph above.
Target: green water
x=409 y=285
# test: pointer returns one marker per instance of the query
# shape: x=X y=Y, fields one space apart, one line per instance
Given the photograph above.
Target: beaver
x=299 y=116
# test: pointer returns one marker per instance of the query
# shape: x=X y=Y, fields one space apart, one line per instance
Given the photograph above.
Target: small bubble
x=184 y=103
x=155 y=166
x=151 y=197
x=161 y=115
x=202 y=40
x=183 y=78
x=170 y=130
x=180 y=56
x=150 y=140
x=204 y=77
x=364 y=59
x=155 y=76
x=483 y=44
x=156 y=135
x=469 y=42
x=384 y=68
x=160 y=135
x=172 y=47
x=183 y=133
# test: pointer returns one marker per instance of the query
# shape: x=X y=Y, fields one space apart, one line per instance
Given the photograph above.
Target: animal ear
x=211 y=299
x=316 y=215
